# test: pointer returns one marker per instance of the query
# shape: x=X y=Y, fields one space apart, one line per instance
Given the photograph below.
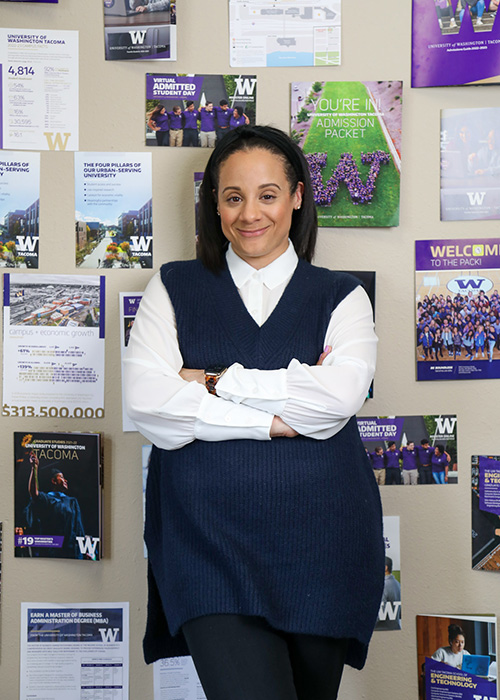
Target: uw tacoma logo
x=474 y=284
x=245 y=86
x=26 y=244
x=55 y=140
x=140 y=243
x=88 y=545
x=476 y=198
x=445 y=425
x=137 y=36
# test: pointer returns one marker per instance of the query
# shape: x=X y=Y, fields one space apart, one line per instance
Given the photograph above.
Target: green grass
x=384 y=207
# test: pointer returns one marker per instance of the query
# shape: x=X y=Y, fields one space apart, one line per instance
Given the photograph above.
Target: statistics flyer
x=350 y=133
x=197 y=110
x=113 y=210
x=39 y=89
x=457 y=309
x=129 y=305
x=411 y=450
x=177 y=678
x=53 y=352
x=454 y=42
x=485 y=483
x=389 y=614
x=470 y=164
x=140 y=30
x=74 y=651
x=282 y=33
x=19 y=209
x=456 y=657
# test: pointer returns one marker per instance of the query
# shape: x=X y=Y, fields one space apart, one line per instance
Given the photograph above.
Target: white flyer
x=284 y=33
x=39 y=89
x=53 y=346
x=177 y=678
x=74 y=651
x=129 y=304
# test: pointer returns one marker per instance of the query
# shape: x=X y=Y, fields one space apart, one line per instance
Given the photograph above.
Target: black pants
x=239 y=657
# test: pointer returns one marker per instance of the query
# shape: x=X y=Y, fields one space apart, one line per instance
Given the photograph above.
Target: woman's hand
x=280 y=429
x=193 y=375
x=324 y=354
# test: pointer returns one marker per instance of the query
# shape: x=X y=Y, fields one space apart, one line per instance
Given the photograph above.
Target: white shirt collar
x=272 y=275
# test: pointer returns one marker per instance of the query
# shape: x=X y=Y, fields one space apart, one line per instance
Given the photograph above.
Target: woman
x=158 y=122
x=238 y=118
x=263 y=520
x=440 y=461
x=454 y=653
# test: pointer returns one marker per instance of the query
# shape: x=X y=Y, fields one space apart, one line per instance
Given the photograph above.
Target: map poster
x=197 y=110
x=39 y=89
x=457 y=286
x=140 y=30
x=350 y=133
x=389 y=614
x=485 y=483
x=53 y=352
x=284 y=33
x=470 y=164
x=455 y=42
x=456 y=657
x=113 y=210
x=414 y=440
x=19 y=209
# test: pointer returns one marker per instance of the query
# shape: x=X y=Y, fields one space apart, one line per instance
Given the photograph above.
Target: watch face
x=215 y=369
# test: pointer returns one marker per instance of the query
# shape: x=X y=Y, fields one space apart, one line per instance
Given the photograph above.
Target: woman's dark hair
x=440 y=448
x=212 y=243
x=238 y=109
x=454 y=631
x=156 y=111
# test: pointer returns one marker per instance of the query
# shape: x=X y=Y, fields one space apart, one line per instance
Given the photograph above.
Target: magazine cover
x=129 y=306
x=411 y=450
x=197 y=110
x=389 y=615
x=140 y=30
x=350 y=133
x=470 y=164
x=57 y=495
x=457 y=309
x=485 y=482
x=455 y=42
x=456 y=657
x=279 y=33
x=113 y=210
x=19 y=209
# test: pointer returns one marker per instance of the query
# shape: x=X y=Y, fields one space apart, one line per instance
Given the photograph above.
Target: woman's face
x=256 y=206
x=235 y=113
x=458 y=644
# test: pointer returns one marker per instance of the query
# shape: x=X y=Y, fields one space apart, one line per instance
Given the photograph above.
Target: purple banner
x=443 y=681
x=380 y=428
x=173 y=87
x=455 y=48
x=489 y=485
x=131 y=305
x=38 y=541
x=454 y=254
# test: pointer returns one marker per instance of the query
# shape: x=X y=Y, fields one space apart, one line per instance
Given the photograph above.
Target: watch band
x=212 y=376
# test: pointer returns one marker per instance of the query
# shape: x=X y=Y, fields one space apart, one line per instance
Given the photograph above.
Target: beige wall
x=435 y=523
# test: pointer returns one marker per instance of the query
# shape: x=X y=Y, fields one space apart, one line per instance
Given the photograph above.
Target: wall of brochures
x=94 y=198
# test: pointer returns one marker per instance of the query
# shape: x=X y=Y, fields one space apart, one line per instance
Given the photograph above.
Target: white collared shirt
x=316 y=401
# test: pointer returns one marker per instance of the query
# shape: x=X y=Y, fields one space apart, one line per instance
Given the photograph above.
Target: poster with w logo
x=458 y=309
x=350 y=133
x=455 y=42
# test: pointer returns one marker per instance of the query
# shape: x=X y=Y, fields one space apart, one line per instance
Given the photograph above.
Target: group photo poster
x=278 y=33
x=485 y=511
x=113 y=210
x=39 y=89
x=197 y=110
x=53 y=346
x=129 y=305
x=457 y=309
x=411 y=450
x=72 y=651
x=456 y=657
x=57 y=495
x=350 y=133
x=140 y=30
x=470 y=164
x=455 y=42
x=389 y=614
x=19 y=209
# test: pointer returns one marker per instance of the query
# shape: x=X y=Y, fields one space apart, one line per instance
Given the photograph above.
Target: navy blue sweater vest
x=287 y=529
